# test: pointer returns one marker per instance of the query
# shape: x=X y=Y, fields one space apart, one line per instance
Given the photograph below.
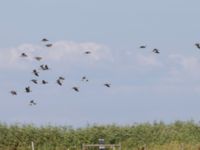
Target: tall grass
x=154 y=136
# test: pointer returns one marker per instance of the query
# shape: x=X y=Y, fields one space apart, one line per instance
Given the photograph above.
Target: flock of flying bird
x=61 y=79
x=45 y=67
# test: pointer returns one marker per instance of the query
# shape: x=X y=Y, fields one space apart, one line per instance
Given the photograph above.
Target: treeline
x=19 y=137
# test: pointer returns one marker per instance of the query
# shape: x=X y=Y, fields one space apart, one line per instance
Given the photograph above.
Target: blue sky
x=144 y=86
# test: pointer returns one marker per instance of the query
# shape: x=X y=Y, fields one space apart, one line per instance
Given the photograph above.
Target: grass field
x=156 y=136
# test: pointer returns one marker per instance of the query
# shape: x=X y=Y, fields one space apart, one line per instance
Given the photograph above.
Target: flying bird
x=38 y=58
x=156 y=51
x=143 y=46
x=24 y=55
x=87 y=52
x=34 y=81
x=61 y=78
x=75 y=89
x=84 y=78
x=44 y=40
x=28 y=89
x=49 y=45
x=44 y=82
x=107 y=85
x=44 y=67
x=32 y=102
x=59 y=82
x=197 y=45
x=35 y=72
x=13 y=92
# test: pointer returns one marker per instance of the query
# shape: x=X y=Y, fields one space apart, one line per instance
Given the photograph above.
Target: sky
x=145 y=87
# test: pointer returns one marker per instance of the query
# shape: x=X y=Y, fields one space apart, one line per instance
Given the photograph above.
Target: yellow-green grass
x=155 y=136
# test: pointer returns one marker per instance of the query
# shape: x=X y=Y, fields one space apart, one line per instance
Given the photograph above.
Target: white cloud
x=60 y=51
x=184 y=66
x=73 y=50
x=148 y=60
x=175 y=67
x=8 y=59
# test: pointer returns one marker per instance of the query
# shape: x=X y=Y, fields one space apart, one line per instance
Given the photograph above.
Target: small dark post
x=101 y=144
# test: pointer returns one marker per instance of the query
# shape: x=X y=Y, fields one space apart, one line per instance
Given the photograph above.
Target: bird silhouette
x=38 y=58
x=84 y=78
x=143 y=46
x=13 y=92
x=44 y=40
x=44 y=82
x=87 y=52
x=61 y=78
x=44 y=67
x=35 y=72
x=34 y=81
x=24 y=55
x=156 y=51
x=49 y=45
x=28 y=89
x=197 y=45
x=59 y=82
x=75 y=89
x=32 y=102
x=107 y=85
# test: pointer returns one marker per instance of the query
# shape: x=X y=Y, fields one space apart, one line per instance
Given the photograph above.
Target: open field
x=157 y=136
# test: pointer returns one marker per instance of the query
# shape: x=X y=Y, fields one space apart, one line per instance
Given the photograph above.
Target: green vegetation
x=154 y=136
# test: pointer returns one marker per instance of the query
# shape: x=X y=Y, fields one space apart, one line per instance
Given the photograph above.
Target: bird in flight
x=75 y=89
x=143 y=46
x=44 y=40
x=59 y=82
x=28 y=89
x=32 y=102
x=197 y=45
x=34 y=81
x=61 y=78
x=49 y=45
x=44 y=82
x=35 y=72
x=84 y=78
x=24 y=55
x=87 y=52
x=13 y=92
x=38 y=58
x=44 y=67
x=107 y=85
x=156 y=51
